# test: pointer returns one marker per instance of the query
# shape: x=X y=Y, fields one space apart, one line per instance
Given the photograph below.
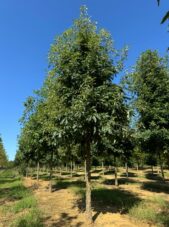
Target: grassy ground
x=140 y=200
x=18 y=205
x=143 y=196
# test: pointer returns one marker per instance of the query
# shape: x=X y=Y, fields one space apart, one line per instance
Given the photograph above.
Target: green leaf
x=166 y=17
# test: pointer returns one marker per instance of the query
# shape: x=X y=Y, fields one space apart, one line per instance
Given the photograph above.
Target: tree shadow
x=109 y=200
x=95 y=177
x=62 y=184
x=96 y=171
x=109 y=172
x=11 y=189
x=153 y=176
x=120 y=181
x=104 y=200
x=166 y=219
x=76 y=175
x=130 y=174
x=7 y=180
x=65 y=173
x=65 y=220
x=44 y=177
x=156 y=187
x=14 y=193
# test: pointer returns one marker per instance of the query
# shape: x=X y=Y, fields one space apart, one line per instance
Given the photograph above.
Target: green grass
x=25 y=203
x=19 y=207
x=62 y=184
x=152 y=211
x=31 y=219
x=13 y=189
x=118 y=199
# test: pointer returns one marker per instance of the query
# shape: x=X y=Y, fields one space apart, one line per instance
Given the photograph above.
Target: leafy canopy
x=149 y=85
x=84 y=62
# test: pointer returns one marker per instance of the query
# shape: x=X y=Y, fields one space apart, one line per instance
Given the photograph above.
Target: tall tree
x=149 y=84
x=83 y=61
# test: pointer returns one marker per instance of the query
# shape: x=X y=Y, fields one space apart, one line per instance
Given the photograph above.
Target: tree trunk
x=60 y=171
x=71 y=169
x=51 y=171
x=26 y=172
x=37 y=172
x=137 y=167
x=161 y=167
x=116 y=179
x=85 y=170
x=74 y=167
x=127 y=172
x=152 y=170
x=88 y=186
x=115 y=172
x=103 y=168
x=158 y=169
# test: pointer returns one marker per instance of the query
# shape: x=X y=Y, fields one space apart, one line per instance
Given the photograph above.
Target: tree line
x=80 y=116
x=3 y=155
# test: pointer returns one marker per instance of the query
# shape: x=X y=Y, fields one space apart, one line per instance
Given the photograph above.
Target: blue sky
x=27 y=29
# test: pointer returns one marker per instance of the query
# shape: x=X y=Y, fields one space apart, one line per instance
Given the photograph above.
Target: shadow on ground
x=120 y=181
x=64 y=220
x=103 y=200
x=63 y=184
x=110 y=200
x=11 y=189
x=156 y=187
x=4 y=180
x=130 y=174
x=13 y=193
x=44 y=177
x=153 y=176
x=96 y=171
x=96 y=177
x=109 y=172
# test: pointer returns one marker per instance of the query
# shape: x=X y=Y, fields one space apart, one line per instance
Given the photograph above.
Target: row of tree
x=3 y=155
x=81 y=115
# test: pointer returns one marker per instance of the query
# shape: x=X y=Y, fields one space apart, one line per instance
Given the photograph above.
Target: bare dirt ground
x=60 y=208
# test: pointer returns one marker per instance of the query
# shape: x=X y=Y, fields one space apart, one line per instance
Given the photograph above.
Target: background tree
x=3 y=155
x=39 y=139
x=149 y=84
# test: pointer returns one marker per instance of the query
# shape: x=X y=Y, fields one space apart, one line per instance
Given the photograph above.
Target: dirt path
x=60 y=210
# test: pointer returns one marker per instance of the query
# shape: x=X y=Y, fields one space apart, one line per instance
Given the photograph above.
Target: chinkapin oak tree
x=84 y=63
x=79 y=111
